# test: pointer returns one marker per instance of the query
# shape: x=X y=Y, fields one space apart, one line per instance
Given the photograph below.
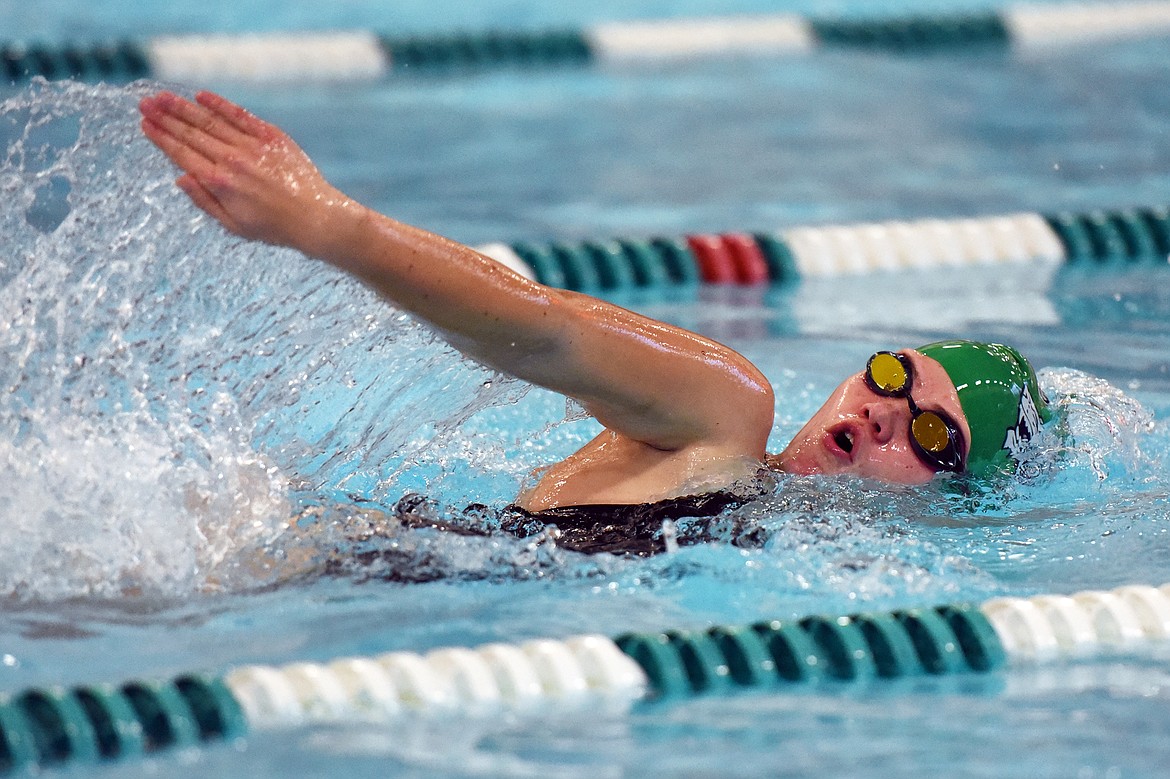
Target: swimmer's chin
x=798 y=462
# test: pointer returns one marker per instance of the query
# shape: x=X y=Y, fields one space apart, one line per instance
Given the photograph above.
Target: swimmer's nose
x=884 y=417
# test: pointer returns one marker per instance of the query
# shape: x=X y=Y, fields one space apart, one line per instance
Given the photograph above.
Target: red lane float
x=715 y=263
x=731 y=258
x=751 y=266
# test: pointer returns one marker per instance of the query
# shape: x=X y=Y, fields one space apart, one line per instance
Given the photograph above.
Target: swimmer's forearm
x=487 y=310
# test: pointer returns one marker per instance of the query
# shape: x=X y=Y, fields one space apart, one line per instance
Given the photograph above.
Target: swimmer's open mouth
x=844 y=439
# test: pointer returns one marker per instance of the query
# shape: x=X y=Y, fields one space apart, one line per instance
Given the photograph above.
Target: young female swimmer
x=684 y=418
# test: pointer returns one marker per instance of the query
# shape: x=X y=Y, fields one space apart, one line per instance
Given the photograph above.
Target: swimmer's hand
x=243 y=171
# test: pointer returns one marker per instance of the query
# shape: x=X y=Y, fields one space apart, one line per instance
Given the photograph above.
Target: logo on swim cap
x=1027 y=425
x=1000 y=397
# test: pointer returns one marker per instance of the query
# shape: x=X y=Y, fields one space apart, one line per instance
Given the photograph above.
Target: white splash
x=169 y=394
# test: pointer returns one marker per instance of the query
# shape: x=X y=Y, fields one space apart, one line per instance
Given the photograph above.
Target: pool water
x=173 y=397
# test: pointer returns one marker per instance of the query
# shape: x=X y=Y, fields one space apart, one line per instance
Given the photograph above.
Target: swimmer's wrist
x=333 y=231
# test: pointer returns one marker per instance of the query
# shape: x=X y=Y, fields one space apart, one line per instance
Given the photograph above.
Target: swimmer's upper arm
x=656 y=383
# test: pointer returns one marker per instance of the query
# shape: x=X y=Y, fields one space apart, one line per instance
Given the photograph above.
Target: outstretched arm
x=658 y=384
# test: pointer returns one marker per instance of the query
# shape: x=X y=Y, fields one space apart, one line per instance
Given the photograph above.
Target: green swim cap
x=1000 y=398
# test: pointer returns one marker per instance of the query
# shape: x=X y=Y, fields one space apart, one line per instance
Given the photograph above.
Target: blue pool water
x=173 y=397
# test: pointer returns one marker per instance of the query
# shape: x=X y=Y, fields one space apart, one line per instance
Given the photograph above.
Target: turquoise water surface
x=173 y=397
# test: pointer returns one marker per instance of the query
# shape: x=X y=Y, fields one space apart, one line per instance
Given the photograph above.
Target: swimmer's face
x=859 y=432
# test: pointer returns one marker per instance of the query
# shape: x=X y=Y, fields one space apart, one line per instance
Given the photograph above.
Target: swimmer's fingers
x=192 y=139
x=238 y=117
x=179 y=152
x=203 y=198
x=172 y=111
x=174 y=149
x=188 y=148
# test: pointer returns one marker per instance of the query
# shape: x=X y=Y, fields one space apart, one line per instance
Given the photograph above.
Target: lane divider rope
x=1119 y=237
x=44 y=728
x=359 y=55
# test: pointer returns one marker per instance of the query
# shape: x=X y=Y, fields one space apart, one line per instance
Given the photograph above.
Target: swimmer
x=685 y=419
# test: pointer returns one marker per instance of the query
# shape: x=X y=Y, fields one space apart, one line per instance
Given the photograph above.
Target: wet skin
x=862 y=433
x=682 y=414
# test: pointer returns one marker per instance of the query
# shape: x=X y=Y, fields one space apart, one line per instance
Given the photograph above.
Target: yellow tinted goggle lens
x=888 y=372
x=930 y=432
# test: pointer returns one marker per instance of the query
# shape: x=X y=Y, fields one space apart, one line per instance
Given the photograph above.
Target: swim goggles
x=936 y=438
